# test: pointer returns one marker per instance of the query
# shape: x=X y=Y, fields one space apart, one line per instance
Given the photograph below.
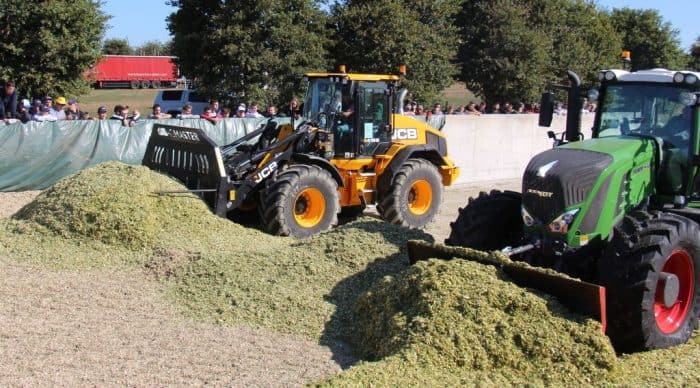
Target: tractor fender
x=419 y=151
x=321 y=162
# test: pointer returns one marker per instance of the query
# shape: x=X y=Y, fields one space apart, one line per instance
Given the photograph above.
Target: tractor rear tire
x=651 y=272
x=415 y=195
x=489 y=222
x=301 y=202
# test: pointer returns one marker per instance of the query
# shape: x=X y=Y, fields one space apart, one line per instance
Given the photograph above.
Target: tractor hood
x=590 y=180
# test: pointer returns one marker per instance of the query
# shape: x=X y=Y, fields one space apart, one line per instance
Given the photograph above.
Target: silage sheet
x=36 y=155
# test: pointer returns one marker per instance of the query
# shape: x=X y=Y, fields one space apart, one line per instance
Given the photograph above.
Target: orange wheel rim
x=309 y=207
x=420 y=197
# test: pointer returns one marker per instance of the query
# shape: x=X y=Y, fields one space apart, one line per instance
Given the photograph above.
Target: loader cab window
x=373 y=116
x=660 y=111
x=323 y=101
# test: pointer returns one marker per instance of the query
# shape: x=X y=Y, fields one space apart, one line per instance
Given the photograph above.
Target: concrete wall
x=493 y=147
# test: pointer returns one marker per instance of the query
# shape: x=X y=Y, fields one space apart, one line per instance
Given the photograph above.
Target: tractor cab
x=355 y=108
x=656 y=104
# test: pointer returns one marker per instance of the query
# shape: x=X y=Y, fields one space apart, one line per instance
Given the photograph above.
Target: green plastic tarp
x=36 y=155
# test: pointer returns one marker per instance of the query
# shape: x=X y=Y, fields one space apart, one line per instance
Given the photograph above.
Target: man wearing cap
x=23 y=111
x=44 y=114
x=240 y=112
x=102 y=113
x=73 y=111
x=57 y=110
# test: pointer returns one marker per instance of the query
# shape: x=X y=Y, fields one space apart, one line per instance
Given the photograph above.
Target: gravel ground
x=115 y=328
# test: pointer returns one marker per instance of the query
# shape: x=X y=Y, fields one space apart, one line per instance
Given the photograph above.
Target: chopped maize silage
x=428 y=322
x=459 y=322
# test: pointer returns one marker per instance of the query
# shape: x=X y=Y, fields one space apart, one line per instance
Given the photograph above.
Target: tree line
x=501 y=49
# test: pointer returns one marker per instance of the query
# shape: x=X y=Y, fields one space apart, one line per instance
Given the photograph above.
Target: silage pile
x=432 y=323
x=459 y=322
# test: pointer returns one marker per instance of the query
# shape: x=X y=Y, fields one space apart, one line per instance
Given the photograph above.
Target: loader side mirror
x=546 y=109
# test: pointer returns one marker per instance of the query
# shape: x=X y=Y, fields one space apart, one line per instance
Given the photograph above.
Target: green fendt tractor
x=620 y=210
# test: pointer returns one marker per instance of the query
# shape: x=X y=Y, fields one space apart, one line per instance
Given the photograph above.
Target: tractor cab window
x=647 y=109
x=373 y=116
x=653 y=110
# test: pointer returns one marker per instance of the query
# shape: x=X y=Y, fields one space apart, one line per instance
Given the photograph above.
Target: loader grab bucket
x=189 y=155
x=582 y=297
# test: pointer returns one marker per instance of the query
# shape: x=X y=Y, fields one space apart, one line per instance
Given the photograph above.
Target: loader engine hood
x=579 y=182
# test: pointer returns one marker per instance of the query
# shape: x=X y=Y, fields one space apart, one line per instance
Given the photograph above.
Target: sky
x=140 y=21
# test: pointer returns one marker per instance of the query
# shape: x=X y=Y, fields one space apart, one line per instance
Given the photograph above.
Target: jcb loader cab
x=351 y=148
x=620 y=210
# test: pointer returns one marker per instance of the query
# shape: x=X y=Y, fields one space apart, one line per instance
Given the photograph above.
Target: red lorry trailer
x=134 y=71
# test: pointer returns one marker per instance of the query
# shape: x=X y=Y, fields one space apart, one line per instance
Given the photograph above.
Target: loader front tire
x=415 y=195
x=302 y=201
x=651 y=274
x=489 y=222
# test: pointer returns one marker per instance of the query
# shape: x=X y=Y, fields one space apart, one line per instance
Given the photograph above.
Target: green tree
x=379 y=35
x=152 y=47
x=694 y=60
x=247 y=50
x=653 y=42
x=116 y=46
x=47 y=47
x=511 y=49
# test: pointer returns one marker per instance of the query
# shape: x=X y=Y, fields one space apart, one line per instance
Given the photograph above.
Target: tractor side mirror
x=546 y=109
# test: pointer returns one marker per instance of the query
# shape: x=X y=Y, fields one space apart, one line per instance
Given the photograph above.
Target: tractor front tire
x=415 y=195
x=302 y=201
x=651 y=274
x=489 y=222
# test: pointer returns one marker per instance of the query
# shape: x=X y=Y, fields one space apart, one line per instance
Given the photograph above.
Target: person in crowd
x=102 y=113
x=508 y=108
x=8 y=97
x=437 y=109
x=35 y=108
x=157 y=114
x=186 y=113
x=271 y=111
x=482 y=107
x=240 y=111
x=23 y=114
x=209 y=115
x=450 y=110
x=495 y=108
x=215 y=107
x=57 y=110
x=225 y=112
x=293 y=109
x=44 y=114
x=253 y=111
x=408 y=110
x=73 y=110
x=121 y=113
x=461 y=110
x=419 y=110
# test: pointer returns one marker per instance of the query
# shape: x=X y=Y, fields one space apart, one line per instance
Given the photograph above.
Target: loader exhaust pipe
x=400 y=97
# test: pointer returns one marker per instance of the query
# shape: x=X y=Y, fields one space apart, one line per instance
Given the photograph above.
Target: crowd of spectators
x=50 y=109
x=414 y=108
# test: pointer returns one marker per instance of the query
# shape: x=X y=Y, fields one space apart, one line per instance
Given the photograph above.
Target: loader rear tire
x=415 y=195
x=489 y=222
x=644 y=311
x=302 y=201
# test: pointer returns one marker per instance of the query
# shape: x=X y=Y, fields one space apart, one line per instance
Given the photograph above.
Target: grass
x=140 y=99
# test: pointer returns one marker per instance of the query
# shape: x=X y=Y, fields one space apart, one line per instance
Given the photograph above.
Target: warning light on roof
x=402 y=69
x=341 y=68
x=626 y=55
